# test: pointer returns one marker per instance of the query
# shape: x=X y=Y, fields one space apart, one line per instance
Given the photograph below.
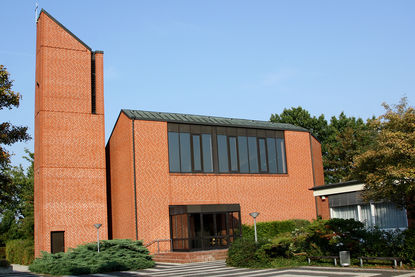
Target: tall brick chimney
x=70 y=185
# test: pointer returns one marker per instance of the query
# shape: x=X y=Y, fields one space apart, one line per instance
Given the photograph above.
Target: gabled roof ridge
x=209 y=120
x=63 y=27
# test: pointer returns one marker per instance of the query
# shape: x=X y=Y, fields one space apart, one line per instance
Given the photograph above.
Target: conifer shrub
x=20 y=251
x=114 y=255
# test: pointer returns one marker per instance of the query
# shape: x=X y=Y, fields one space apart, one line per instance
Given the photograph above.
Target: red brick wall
x=122 y=184
x=276 y=197
x=70 y=193
x=317 y=162
x=323 y=207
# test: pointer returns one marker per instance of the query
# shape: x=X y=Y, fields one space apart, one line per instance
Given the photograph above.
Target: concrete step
x=191 y=257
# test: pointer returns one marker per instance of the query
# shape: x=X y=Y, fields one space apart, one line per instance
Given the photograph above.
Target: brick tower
x=70 y=185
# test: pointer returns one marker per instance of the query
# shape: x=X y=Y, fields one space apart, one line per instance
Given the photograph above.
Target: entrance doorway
x=203 y=227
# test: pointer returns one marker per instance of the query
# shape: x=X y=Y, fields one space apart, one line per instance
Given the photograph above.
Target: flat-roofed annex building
x=189 y=180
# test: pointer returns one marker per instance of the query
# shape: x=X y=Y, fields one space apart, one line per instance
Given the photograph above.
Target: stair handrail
x=158 y=243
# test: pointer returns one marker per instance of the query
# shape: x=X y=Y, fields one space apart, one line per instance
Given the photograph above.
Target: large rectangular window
x=207 y=153
x=223 y=154
x=262 y=155
x=272 y=155
x=243 y=154
x=209 y=149
x=185 y=158
x=233 y=154
x=197 y=161
x=174 y=152
x=253 y=155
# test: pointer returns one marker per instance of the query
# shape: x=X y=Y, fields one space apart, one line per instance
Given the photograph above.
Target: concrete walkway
x=219 y=269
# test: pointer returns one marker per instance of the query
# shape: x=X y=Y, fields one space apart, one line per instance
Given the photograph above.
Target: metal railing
x=158 y=243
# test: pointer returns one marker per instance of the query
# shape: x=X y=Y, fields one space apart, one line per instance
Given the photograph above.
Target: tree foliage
x=9 y=134
x=17 y=217
x=388 y=166
x=341 y=139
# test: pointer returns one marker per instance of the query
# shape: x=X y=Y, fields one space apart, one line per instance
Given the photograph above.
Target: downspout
x=135 y=184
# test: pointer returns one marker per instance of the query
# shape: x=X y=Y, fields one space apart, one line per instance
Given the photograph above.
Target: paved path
x=219 y=269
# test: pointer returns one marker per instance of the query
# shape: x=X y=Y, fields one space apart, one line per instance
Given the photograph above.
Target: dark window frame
x=229 y=133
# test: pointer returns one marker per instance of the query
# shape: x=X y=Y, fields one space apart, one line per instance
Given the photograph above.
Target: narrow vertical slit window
x=93 y=85
x=243 y=154
x=207 y=153
x=262 y=155
x=185 y=156
x=197 y=161
x=174 y=152
x=253 y=155
x=233 y=154
x=223 y=154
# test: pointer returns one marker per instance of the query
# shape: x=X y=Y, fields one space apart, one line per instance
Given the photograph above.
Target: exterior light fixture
x=98 y=225
x=254 y=215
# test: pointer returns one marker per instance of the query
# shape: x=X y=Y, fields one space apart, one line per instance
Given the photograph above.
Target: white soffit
x=329 y=191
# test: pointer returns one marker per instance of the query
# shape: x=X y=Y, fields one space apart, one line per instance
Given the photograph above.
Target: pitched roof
x=209 y=120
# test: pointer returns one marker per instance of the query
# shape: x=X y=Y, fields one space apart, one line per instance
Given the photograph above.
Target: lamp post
x=97 y=226
x=254 y=215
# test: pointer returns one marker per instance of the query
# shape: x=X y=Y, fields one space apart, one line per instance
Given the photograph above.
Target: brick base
x=191 y=257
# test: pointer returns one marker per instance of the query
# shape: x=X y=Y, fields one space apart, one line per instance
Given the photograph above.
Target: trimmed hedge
x=20 y=251
x=271 y=229
x=114 y=255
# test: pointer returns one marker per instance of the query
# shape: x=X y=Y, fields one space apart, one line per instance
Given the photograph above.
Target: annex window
x=209 y=149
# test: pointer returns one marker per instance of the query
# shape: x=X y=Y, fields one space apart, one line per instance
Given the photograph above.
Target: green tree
x=349 y=137
x=9 y=134
x=341 y=139
x=17 y=220
x=388 y=166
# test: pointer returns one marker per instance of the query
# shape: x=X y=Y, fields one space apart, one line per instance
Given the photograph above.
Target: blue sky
x=245 y=59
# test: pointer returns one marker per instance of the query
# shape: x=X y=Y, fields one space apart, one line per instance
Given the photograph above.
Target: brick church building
x=188 y=181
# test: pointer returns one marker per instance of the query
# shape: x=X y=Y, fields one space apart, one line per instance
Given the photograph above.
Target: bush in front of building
x=271 y=229
x=408 y=251
x=20 y=251
x=114 y=255
x=322 y=238
x=246 y=253
x=2 y=252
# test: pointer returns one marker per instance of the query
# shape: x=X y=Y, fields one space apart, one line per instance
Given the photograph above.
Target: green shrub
x=2 y=252
x=20 y=251
x=114 y=255
x=4 y=263
x=408 y=249
x=246 y=253
x=269 y=230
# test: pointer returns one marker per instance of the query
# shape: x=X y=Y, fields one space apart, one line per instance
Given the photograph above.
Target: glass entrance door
x=204 y=230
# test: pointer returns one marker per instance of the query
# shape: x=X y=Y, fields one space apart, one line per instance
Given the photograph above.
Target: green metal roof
x=209 y=120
